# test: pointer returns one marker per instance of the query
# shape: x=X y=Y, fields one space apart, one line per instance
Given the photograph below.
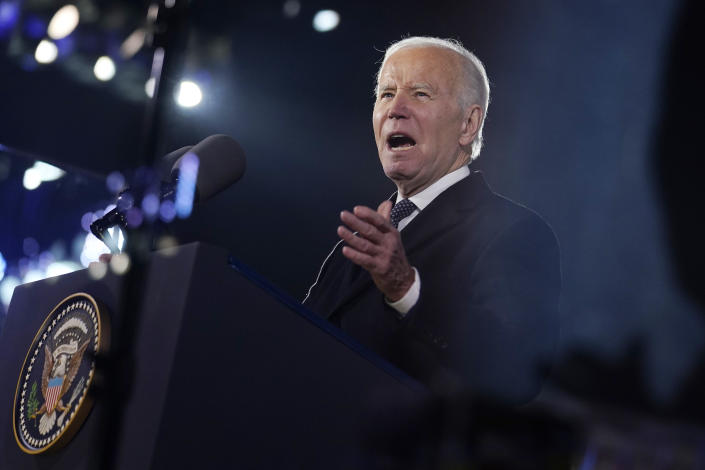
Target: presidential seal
x=52 y=400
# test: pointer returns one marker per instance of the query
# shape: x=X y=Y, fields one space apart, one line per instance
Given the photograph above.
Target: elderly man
x=454 y=284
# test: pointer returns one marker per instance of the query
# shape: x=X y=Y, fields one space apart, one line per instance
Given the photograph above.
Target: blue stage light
x=115 y=182
x=9 y=13
x=65 y=46
x=3 y=266
x=167 y=211
x=150 y=205
x=34 y=27
x=186 y=187
x=86 y=220
x=30 y=247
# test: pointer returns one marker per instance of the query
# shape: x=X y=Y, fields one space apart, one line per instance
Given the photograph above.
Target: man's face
x=418 y=123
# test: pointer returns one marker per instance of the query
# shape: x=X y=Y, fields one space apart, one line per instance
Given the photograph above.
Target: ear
x=471 y=125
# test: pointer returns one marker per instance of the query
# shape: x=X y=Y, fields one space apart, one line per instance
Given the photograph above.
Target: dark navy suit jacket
x=487 y=319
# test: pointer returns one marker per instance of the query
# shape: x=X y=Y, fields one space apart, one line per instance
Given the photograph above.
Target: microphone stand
x=167 y=21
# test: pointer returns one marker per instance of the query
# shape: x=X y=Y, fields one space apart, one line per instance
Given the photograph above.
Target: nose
x=398 y=108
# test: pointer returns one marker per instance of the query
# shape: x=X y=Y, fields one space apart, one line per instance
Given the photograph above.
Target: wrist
x=410 y=297
x=404 y=286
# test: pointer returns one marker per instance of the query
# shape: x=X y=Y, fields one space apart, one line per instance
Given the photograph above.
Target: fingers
x=359 y=243
x=372 y=217
x=359 y=258
x=362 y=227
x=366 y=222
x=375 y=242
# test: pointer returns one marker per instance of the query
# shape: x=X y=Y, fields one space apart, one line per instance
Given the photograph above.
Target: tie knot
x=401 y=210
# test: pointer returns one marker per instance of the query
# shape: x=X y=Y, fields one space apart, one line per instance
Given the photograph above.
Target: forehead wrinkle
x=425 y=85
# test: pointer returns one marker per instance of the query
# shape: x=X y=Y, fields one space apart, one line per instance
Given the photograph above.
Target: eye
x=386 y=94
x=422 y=94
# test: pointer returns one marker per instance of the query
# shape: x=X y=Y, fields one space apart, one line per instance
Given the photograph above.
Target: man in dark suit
x=449 y=281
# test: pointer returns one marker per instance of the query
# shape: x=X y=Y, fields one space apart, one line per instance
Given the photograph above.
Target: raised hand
x=376 y=246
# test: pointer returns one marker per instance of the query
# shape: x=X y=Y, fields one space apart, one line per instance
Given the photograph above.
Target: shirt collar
x=424 y=198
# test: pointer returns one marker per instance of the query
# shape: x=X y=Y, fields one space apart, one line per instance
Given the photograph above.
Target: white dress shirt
x=421 y=200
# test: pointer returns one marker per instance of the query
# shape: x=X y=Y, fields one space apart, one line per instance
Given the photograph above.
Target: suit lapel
x=445 y=211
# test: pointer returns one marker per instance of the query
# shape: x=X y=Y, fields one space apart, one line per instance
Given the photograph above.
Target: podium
x=228 y=373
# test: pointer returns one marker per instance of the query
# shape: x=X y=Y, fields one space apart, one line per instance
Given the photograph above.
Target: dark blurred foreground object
x=557 y=431
x=679 y=154
x=466 y=432
x=615 y=392
x=678 y=170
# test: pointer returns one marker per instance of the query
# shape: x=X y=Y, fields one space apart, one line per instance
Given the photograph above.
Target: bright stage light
x=63 y=22
x=133 y=44
x=7 y=287
x=57 y=268
x=120 y=263
x=33 y=275
x=46 y=52
x=39 y=173
x=149 y=87
x=32 y=179
x=92 y=249
x=189 y=94
x=104 y=68
x=3 y=266
x=326 y=20
x=97 y=270
x=48 y=172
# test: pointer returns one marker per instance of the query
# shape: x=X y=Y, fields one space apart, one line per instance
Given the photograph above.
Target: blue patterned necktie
x=401 y=210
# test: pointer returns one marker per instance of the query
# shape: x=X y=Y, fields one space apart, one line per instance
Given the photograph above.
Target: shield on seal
x=53 y=391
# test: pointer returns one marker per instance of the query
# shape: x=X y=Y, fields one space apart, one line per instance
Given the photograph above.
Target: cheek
x=376 y=119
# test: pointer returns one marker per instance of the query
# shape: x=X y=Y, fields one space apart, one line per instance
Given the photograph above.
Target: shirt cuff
x=409 y=299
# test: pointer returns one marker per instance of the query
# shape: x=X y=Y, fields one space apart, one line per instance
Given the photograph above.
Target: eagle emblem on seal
x=60 y=369
x=52 y=398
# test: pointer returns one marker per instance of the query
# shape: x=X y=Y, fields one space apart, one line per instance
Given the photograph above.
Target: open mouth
x=400 y=142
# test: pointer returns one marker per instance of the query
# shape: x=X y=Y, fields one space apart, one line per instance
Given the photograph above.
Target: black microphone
x=221 y=163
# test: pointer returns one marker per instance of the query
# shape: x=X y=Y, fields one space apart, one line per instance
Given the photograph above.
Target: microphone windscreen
x=221 y=162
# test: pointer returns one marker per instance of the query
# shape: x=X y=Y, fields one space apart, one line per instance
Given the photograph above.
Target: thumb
x=385 y=210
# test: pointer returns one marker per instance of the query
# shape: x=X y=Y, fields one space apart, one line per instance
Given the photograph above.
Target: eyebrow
x=415 y=86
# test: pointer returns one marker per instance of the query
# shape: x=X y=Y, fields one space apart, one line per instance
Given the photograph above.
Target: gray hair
x=477 y=86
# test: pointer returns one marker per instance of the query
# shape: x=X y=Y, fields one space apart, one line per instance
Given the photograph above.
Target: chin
x=398 y=172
